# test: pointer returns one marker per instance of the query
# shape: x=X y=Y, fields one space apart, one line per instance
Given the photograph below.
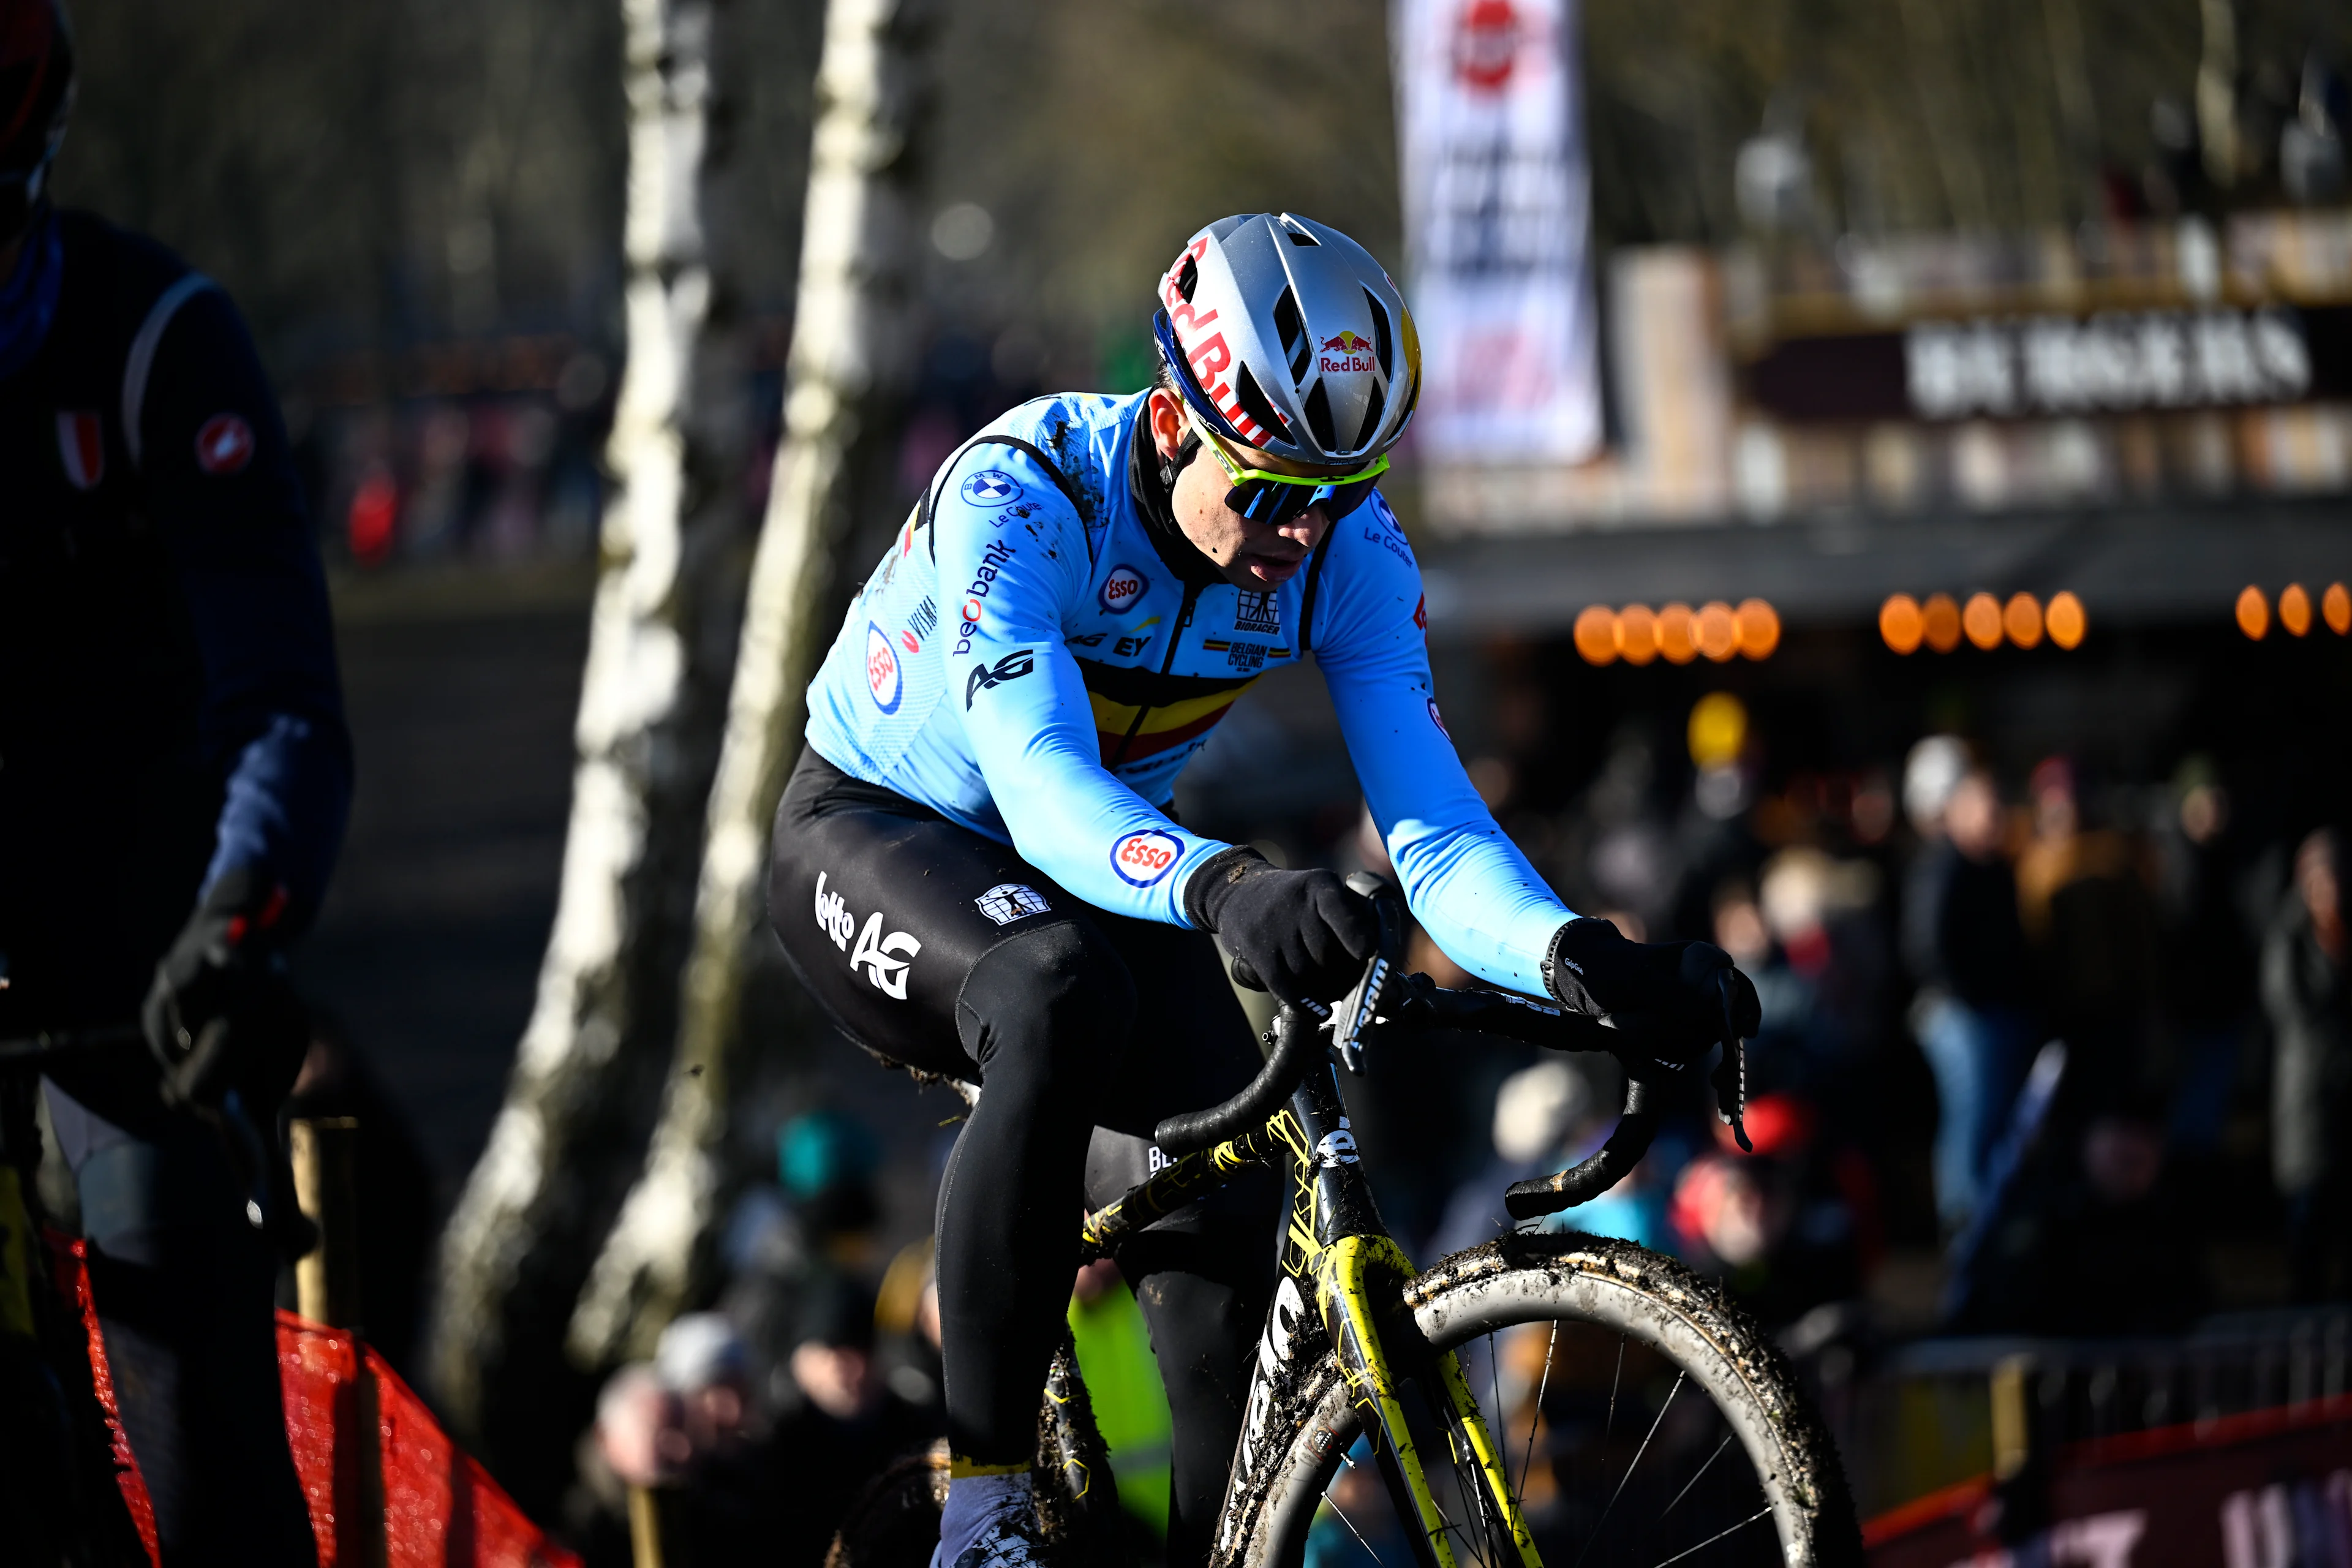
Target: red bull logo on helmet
x=1348 y=354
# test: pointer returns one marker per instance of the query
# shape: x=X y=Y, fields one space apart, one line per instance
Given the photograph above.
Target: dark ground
x=461 y=694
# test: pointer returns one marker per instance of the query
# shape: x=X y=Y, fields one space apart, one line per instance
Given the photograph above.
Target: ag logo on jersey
x=1012 y=666
x=1142 y=858
x=883 y=681
x=992 y=487
x=224 y=445
x=1124 y=589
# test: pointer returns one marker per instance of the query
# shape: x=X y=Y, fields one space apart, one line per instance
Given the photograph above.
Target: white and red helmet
x=1286 y=335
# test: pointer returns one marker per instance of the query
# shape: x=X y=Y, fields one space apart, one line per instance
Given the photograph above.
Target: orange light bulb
x=1596 y=635
x=1899 y=621
x=2254 y=613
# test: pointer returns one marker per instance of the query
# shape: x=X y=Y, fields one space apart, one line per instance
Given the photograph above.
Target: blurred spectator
x=1782 y=1227
x=1826 y=964
x=815 y=1222
x=848 y=1425
x=2209 y=965
x=2306 y=994
x=2095 y=1243
x=682 y=1428
x=1547 y=1118
x=1964 y=944
x=2091 y=928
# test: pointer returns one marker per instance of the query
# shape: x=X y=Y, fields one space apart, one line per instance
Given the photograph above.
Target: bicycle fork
x=1348 y=1283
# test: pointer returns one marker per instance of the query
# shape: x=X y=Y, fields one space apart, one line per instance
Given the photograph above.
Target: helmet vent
x=1297 y=231
x=1188 y=281
x=1383 y=342
x=1374 y=406
x=1294 y=336
x=1255 y=403
x=1318 y=418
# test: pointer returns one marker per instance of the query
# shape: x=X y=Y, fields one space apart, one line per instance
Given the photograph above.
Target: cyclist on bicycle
x=977 y=871
x=174 y=778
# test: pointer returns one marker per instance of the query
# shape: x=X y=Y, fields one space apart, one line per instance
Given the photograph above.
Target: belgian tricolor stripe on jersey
x=1172 y=708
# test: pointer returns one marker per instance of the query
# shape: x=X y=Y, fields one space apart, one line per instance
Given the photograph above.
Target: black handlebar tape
x=1609 y=1163
x=1494 y=1013
x=1294 y=1049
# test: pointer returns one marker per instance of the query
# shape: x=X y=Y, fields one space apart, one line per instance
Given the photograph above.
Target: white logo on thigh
x=885 y=958
x=1010 y=901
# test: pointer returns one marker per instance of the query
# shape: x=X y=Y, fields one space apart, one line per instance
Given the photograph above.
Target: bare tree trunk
x=851 y=351
x=527 y=1227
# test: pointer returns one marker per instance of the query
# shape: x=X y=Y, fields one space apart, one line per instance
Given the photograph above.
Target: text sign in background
x=1498 y=229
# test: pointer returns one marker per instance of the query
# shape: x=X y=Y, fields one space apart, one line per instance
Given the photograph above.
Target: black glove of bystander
x=221 y=1014
x=1673 y=994
x=1302 y=935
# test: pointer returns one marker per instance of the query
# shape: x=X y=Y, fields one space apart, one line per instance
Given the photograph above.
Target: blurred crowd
x=2078 y=1038
x=2073 y=1042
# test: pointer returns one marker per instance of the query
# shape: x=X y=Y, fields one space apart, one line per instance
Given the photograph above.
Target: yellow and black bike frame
x=1335 y=1252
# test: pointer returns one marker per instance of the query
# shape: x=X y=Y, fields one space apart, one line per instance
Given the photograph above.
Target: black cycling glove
x=1302 y=935
x=1678 y=996
x=221 y=1014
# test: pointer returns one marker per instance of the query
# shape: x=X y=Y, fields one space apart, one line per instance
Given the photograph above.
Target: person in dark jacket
x=174 y=774
x=1962 y=940
x=2306 y=984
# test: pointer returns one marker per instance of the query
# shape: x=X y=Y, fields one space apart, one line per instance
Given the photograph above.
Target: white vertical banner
x=1497 y=211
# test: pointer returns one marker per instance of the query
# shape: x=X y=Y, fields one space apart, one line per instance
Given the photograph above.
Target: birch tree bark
x=527 y=1227
x=852 y=349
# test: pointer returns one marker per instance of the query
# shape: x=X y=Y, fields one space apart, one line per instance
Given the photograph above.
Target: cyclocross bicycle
x=1544 y=1398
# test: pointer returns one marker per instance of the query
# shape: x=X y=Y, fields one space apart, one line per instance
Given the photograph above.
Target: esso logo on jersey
x=224 y=445
x=882 y=677
x=1124 y=589
x=1439 y=720
x=1142 y=858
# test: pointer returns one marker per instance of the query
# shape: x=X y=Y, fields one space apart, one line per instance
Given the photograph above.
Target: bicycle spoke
x=1377 y=1559
x=1535 y=1418
x=1711 y=1458
x=1719 y=1535
x=1627 y=1477
x=1610 y=1430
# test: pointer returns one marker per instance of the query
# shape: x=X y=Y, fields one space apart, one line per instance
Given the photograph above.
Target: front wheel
x=1642 y=1418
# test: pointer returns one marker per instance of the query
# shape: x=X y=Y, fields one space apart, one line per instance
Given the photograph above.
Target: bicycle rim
x=1644 y=1421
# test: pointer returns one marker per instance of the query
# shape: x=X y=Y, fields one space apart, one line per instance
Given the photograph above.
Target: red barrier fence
x=441 y=1510
x=2267 y=1489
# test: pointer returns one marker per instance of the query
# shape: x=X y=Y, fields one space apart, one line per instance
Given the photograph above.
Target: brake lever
x=1731 y=1073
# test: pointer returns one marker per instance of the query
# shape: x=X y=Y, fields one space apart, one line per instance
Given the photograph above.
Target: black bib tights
x=942 y=949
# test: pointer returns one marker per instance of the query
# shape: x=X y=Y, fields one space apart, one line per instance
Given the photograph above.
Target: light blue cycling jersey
x=1026 y=662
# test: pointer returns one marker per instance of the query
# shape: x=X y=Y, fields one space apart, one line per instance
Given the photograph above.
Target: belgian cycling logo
x=882 y=678
x=992 y=561
x=1012 y=666
x=224 y=445
x=1142 y=858
x=1355 y=353
x=1124 y=589
x=875 y=952
x=81 y=447
x=1258 y=612
x=1010 y=901
x=991 y=488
